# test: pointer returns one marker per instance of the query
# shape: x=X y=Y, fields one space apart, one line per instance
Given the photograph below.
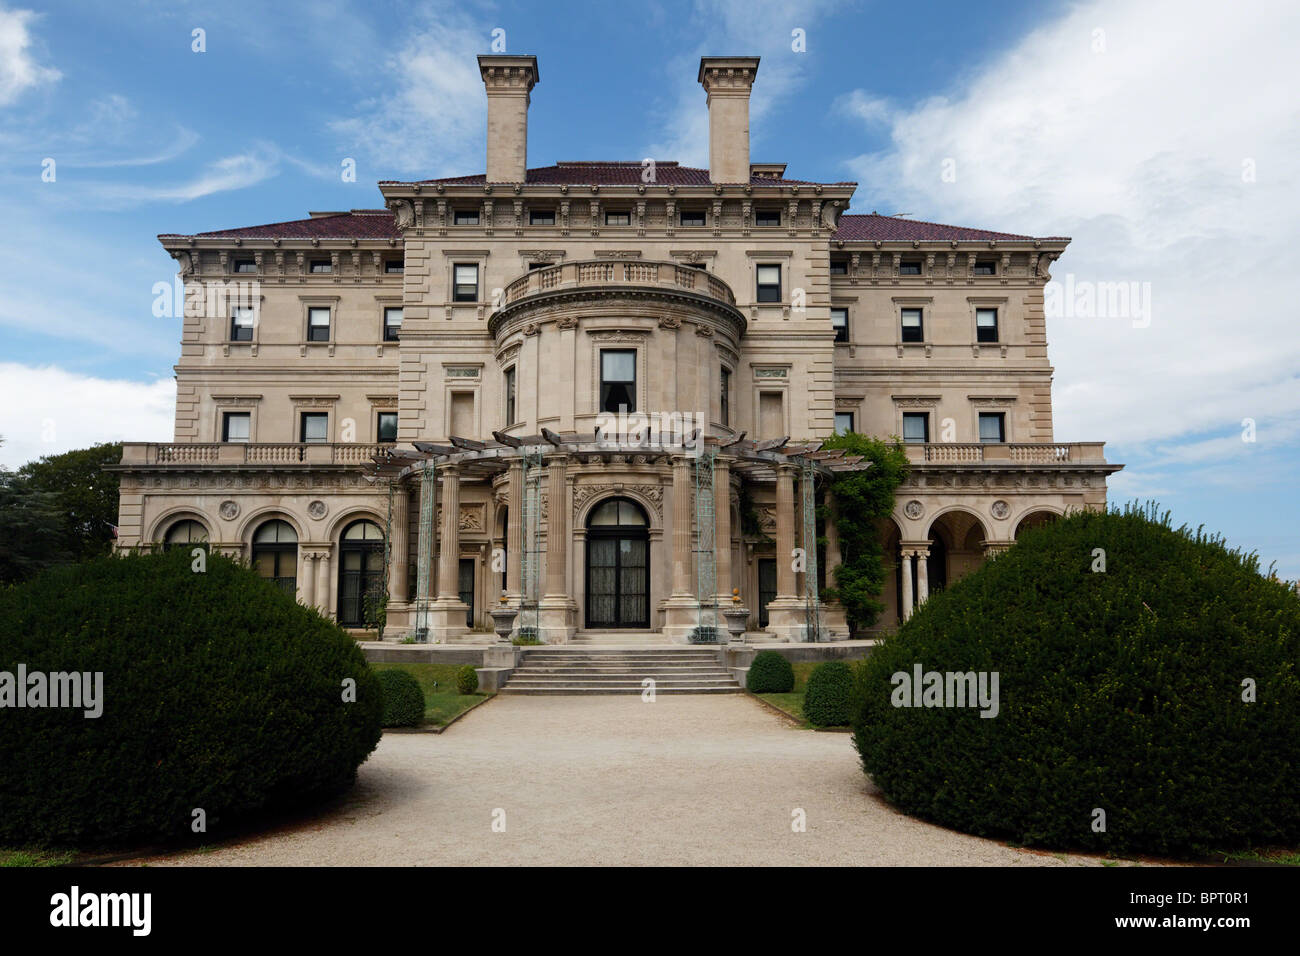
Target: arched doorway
x=618 y=565
x=275 y=553
x=361 y=570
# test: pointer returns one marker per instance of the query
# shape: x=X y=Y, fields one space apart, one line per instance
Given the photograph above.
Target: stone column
x=905 y=569
x=557 y=609
x=323 y=590
x=398 y=574
x=447 y=613
x=307 y=579
x=836 y=620
x=922 y=576
x=683 y=524
x=515 y=532
x=786 y=613
x=722 y=534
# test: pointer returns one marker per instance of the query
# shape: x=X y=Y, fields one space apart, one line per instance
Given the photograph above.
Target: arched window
x=275 y=554
x=186 y=534
x=361 y=570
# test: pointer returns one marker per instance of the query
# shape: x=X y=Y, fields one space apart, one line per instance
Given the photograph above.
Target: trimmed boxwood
x=826 y=701
x=1120 y=691
x=220 y=693
x=403 y=698
x=770 y=673
x=466 y=679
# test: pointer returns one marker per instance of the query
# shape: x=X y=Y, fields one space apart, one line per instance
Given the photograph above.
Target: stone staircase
x=616 y=670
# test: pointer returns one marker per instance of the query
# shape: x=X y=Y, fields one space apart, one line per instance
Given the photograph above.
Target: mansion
x=409 y=401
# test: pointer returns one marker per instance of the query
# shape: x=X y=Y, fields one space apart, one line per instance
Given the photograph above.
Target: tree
x=84 y=493
x=862 y=499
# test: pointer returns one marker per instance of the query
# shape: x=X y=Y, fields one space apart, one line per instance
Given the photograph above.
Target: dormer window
x=541 y=217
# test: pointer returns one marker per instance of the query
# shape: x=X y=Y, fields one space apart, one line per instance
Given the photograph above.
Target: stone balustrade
x=606 y=272
x=247 y=453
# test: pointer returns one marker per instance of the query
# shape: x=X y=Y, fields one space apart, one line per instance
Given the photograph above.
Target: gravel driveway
x=611 y=780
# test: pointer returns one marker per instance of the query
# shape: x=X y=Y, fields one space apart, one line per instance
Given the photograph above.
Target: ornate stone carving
x=229 y=509
x=670 y=322
x=317 y=509
x=914 y=509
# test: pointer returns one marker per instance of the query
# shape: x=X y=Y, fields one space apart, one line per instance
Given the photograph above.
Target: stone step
x=575 y=691
x=615 y=670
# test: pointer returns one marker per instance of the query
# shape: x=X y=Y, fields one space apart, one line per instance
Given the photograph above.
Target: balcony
x=972 y=453
x=188 y=454
x=600 y=273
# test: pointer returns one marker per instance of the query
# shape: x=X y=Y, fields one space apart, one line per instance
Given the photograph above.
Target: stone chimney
x=509 y=81
x=728 y=80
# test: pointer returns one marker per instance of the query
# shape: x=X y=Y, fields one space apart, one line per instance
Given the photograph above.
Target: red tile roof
x=357 y=224
x=667 y=173
x=893 y=229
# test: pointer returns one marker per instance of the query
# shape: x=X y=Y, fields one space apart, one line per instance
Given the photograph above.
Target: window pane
x=767 y=217
x=315 y=427
x=843 y=422
x=466 y=217
x=692 y=217
x=322 y=265
x=916 y=427
x=387 y=430
x=617 y=366
x=392 y=323
x=991 y=426
x=618 y=219
x=909 y=269
x=467 y=275
x=541 y=217
x=395 y=266
x=769 y=275
x=236 y=426
x=986 y=325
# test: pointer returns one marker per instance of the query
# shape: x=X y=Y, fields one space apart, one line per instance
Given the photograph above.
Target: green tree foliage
x=1161 y=691
x=86 y=495
x=861 y=501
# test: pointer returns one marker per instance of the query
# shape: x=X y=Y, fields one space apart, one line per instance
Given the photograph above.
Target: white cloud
x=432 y=121
x=45 y=410
x=1143 y=152
x=19 y=70
x=228 y=173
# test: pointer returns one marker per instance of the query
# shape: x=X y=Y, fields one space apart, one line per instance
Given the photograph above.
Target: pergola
x=697 y=460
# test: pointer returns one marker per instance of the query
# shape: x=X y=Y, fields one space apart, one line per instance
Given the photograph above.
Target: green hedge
x=466 y=679
x=770 y=673
x=220 y=693
x=1120 y=691
x=403 y=698
x=827 y=698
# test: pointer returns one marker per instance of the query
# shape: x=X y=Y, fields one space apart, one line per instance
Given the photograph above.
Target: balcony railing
x=605 y=272
x=960 y=453
x=244 y=453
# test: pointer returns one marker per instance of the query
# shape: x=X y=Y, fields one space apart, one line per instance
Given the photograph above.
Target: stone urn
x=737 y=616
x=503 y=620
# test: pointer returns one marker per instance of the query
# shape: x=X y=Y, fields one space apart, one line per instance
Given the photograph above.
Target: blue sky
x=1164 y=137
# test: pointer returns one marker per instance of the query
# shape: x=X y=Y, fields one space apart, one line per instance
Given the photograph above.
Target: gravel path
x=611 y=780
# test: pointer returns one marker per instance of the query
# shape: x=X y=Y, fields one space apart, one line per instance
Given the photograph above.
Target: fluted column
x=785 y=575
x=905 y=569
x=449 y=553
x=515 y=531
x=399 y=570
x=722 y=520
x=557 y=527
x=682 y=526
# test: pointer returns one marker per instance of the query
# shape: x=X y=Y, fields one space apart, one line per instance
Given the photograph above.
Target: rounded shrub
x=770 y=673
x=826 y=701
x=403 y=698
x=219 y=693
x=1147 y=696
x=466 y=679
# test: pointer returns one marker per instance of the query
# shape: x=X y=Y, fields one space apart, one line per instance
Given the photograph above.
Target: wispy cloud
x=19 y=69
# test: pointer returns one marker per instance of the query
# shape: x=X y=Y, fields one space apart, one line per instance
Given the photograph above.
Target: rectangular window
x=617 y=380
x=916 y=426
x=386 y=427
x=510 y=395
x=840 y=323
x=395 y=267
x=315 y=427
x=913 y=329
x=318 y=325
x=992 y=426
x=769 y=283
x=319 y=266
x=235 y=426
x=541 y=217
x=245 y=265
x=241 y=324
x=537 y=265
x=767 y=217
x=839 y=267
x=392 y=323
x=909 y=267
x=724 y=398
x=843 y=422
x=692 y=217
x=465 y=217
x=986 y=267
x=465 y=282
x=986 y=325
x=618 y=219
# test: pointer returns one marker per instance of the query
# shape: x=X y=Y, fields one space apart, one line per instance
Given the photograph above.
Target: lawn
x=34 y=857
x=442 y=703
x=792 y=702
